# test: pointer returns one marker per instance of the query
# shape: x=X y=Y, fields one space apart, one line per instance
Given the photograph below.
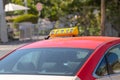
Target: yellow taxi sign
x=64 y=32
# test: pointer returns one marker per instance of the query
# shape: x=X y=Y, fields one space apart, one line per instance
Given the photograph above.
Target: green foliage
x=26 y=18
x=53 y=9
x=17 y=2
x=30 y=4
x=88 y=22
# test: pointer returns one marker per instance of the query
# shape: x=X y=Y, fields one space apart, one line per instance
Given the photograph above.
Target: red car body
x=98 y=43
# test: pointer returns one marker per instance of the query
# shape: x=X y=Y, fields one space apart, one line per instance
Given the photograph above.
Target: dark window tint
x=113 y=57
x=102 y=68
x=47 y=61
x=110 y=63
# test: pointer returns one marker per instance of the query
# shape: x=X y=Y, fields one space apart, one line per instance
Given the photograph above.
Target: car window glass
x=102 y=68
x=113 y=57
x=26 y=62
x=47 y=61
x=113 y=65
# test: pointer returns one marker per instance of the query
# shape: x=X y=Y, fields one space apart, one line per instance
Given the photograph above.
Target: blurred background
x=38 y=17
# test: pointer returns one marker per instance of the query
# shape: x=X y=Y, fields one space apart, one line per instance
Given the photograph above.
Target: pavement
x=11 y=45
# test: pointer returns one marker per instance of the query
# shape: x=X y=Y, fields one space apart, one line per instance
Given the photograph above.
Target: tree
x=88 y=21
x=55 y=9
x=103 y=17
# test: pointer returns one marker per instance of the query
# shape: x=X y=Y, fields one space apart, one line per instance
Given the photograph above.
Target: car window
x=110 y=63
x=102 y=68
x=47 y=61
x=28 y=62
x=113 y=57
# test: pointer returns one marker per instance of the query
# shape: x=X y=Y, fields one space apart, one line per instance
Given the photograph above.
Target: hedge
x=26 y=18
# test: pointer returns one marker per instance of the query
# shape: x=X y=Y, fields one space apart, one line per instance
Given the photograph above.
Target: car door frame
x=109 y=76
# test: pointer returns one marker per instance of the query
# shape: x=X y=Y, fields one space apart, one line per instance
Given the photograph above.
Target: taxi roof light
x=63 y=32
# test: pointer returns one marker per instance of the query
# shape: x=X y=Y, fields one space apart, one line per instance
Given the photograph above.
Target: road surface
x=7 y=47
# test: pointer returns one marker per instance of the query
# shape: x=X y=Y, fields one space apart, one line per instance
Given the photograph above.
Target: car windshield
x=45 y=61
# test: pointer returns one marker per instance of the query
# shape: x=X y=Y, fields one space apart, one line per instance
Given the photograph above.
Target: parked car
x=69 y=58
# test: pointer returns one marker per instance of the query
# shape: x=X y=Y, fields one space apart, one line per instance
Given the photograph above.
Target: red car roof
x=90 y=42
